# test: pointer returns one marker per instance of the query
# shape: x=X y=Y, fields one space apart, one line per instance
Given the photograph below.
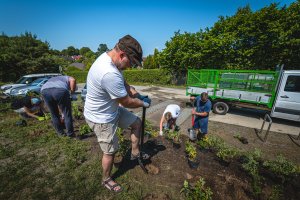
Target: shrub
x=150 y=76
x=198 y=192
x=281 y=166
x=153 y=76
x=252 y=167
x=75 y=111
x=84 y=129
x=226 y=154
x=190 y=150
x=80 y=76
x=123 y=143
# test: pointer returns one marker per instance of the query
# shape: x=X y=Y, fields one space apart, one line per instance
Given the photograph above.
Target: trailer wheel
x=220 y=108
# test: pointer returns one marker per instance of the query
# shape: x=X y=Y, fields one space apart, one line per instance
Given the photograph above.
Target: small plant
x=174 y=135
x=240 y=138
x=84 y=130
x=226 y=154
x=75 y=111
x=191 y=150
x=168 y=134
x=149 y=130
x=252 y=167
x=199 y=191
x=281 y=166
x=123 y=143
x=277 y=193
x=47 y=116
x=203 y=144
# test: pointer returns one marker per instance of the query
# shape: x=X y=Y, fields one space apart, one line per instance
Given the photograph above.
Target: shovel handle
x=143 y=128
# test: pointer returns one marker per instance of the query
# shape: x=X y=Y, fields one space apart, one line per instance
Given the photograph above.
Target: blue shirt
x=57 y=82
x=203 y=106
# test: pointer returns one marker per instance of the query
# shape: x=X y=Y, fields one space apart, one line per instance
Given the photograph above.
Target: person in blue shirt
x=203 y=107
x=29 y=107
x=56 y=94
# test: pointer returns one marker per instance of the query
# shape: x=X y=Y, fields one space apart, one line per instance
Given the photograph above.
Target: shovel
x=140 y=159
x=192 y=134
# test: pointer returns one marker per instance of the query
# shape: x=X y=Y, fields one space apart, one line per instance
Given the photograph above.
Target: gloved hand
x=161 y=133
x=41 y=118
x=141 y=97
x=147 y=102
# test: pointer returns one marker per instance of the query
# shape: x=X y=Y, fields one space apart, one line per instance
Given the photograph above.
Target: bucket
x=193 y=163
x=192 y=134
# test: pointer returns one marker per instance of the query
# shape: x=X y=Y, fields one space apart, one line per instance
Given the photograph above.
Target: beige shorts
x=106 y=132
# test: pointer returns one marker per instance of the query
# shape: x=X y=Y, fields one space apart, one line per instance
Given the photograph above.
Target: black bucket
x=194 y=164
x=176 y=145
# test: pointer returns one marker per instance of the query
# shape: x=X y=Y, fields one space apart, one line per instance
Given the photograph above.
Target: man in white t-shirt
x=106 y=89
x=169 y=117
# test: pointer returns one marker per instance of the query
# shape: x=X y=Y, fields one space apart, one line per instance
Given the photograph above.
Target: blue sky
x=89 y=23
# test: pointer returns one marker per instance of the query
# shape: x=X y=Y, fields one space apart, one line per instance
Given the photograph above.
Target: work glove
x=161 y=133
x=146 y=102
x=41 y=118
x=73 y=97
x=141 y=97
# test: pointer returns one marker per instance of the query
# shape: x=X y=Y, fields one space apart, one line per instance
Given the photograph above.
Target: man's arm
x=161 y=123
x=29 y=113
x=129 y=102
x=72 y=82
x=202 y=114
x=130 y=90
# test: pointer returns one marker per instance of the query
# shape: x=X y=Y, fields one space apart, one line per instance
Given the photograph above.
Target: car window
x=21 y=80
x=37 y=81
x=292 y=84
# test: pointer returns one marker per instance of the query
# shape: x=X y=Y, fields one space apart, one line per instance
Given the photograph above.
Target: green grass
x=37 y=164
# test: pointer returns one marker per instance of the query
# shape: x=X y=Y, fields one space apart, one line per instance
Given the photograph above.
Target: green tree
x=101 y=49
x=84 y=50
x=70 y=51
x=25 y=54
x=246 y=40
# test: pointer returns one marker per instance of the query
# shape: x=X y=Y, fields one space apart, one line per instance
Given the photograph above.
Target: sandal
x=111 y=187
x=145 y=156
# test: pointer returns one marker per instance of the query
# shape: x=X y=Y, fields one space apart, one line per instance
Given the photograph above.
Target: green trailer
x=242 y=88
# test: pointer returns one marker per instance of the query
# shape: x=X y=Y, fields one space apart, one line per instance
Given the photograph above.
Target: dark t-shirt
x=27 y=102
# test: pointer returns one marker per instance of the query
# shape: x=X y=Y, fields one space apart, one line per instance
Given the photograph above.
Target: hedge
x=150 y=76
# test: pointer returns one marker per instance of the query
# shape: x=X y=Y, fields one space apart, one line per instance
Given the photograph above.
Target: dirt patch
x=169 y=168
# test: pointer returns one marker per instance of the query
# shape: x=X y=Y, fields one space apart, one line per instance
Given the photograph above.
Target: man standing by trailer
x=203 y=107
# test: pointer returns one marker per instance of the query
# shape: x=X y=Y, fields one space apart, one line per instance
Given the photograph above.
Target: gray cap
x=132 y=48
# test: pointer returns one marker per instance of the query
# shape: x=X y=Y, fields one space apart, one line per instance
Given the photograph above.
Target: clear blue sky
x=89 y=23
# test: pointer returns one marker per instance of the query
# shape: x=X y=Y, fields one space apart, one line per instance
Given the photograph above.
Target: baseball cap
x=132 y=48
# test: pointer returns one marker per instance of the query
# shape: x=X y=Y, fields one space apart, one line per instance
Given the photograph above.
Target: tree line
x=247 y=40
x=257 y=40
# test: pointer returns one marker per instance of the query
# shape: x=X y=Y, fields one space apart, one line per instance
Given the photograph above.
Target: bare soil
x=168 y=167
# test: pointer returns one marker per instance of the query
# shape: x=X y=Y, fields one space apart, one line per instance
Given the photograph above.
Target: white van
x=25 y=80
x=287 y=102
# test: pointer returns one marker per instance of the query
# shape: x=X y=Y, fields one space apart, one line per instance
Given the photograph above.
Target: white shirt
x=105 y=84
x=173 y=109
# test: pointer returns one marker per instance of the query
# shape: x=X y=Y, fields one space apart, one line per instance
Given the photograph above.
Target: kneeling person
x=169 y=117
x=29 y=107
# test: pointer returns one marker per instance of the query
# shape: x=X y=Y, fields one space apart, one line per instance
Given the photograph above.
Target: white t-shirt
x=173 y=109
x=105 y=84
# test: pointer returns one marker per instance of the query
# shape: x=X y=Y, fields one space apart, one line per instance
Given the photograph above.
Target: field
x=37 y=164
